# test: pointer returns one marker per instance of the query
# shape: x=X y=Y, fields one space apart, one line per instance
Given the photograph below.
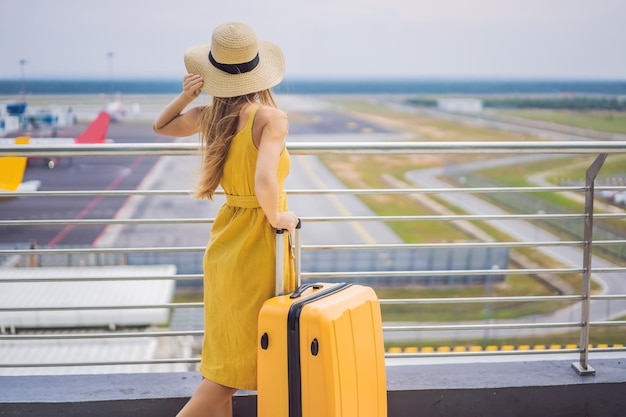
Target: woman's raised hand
x=192 y=85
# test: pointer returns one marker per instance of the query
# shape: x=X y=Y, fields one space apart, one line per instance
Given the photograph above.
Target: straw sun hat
x=235 y=63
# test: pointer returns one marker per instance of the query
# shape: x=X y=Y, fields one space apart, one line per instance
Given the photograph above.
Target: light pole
x=110 y=55
x=22 y=72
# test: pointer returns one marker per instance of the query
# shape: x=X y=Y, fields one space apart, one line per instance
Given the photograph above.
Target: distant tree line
x=552 y=103
x=558 y=103
x=422 y=102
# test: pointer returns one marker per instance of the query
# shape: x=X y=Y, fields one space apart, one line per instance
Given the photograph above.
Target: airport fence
x=582 y=311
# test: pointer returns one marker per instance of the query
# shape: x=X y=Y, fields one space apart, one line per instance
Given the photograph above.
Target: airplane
x=94 y=133
x=12 y=172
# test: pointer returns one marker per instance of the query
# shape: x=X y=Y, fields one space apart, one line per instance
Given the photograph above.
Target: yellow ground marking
x=359 y=229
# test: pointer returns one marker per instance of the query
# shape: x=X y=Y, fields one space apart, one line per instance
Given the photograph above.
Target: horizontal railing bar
x=457 y=245
x=480 y=353
x=317 y=148
x=369 y=247
x=476 y=217
x=107 y=149
x=570 y=216
x=457 y=300
x=178 y=277
x=608 y=242
x=489 y=326
x=599 y=187
x=317 y=275
x=201 y=305
x=610 y=215
x=415 y=355
x=387 y=355
x=606 y=270
x=99 y=222
x=383 y=301
x=450 y=190
x=607 y=297
x=607 y=323
x=173 y=333
x=63 y=364
x=348 y=191
x=111 y=307
x=197 y=360
x=104 y=193
x=116 y=335
x=384 y=246
x=444 y=245
x=329 y=274
x=95 y=250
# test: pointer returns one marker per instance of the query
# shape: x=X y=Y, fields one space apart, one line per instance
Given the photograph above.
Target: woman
x=243 y=137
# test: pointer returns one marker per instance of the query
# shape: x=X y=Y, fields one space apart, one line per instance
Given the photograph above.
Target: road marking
x=93 y=203
x=358 y=228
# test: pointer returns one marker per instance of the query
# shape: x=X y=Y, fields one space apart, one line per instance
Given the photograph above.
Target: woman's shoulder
x=270 y=114
x=272 y=121
x=272 y=118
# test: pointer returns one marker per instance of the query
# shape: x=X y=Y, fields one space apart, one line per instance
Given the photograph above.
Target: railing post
x=582 y=367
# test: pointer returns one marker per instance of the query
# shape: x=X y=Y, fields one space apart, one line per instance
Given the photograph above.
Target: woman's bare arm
x=171 y=121
x=266 y=175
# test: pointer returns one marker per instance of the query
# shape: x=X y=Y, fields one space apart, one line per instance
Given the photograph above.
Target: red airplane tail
x=96 y=131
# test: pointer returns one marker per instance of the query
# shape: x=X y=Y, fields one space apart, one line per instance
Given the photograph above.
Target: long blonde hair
x=218 y=126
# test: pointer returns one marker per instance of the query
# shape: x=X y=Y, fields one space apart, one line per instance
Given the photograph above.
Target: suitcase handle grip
x=301 y=289
x=280 y=258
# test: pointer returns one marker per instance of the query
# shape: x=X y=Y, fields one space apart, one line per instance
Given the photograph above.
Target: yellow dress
x=239 y=268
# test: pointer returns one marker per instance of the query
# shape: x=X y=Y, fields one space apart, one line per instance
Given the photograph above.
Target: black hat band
x=235 y=68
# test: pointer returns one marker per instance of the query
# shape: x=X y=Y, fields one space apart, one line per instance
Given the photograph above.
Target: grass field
x=515 y=285
x=604 y=121
x=565 y=171
x=366 y=171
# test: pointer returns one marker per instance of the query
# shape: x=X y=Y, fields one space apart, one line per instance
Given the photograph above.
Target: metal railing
x=583 y=266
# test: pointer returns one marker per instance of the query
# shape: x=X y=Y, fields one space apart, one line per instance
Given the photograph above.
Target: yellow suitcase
x=321 y=351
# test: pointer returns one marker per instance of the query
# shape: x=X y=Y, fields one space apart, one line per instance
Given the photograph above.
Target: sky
x=321 y=39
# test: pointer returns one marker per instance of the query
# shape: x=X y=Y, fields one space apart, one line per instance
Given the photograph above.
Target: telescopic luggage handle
x=280 y=258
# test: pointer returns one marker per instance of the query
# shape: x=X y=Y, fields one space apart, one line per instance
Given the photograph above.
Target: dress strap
x=250 y=121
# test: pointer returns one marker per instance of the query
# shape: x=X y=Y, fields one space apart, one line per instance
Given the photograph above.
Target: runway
x=78 y=173
x=310 y=119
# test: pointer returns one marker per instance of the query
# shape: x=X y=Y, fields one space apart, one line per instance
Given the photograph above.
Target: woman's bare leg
x=209 y=400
